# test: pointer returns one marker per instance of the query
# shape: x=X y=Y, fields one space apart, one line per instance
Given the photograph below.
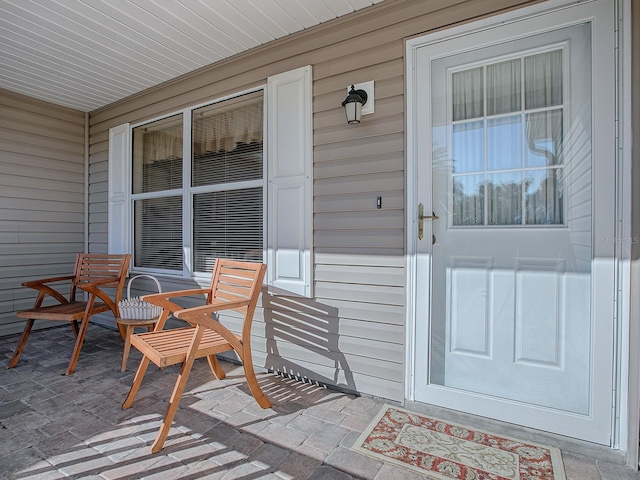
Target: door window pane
x=504 y=87
x=544 y=134
x=504 y=143
x=543 y=80
x=468 y=200
x=504 y=197
x=468 y=147
x=468 y=94
x=544 y=197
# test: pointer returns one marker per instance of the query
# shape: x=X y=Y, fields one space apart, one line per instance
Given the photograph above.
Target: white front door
x=514 y=279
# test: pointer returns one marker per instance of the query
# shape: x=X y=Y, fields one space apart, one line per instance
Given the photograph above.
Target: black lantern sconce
x=353 y=105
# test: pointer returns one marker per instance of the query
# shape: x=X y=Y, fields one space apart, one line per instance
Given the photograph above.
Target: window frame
x=188 y=191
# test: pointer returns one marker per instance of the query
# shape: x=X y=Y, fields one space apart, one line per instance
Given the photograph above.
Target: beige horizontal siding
x=391 y=162
x=352 y=334
x=41 y=199
x=40 y=145
x=360 y=274
x=357 y=202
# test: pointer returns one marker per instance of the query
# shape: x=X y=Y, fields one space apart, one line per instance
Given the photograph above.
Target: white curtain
x=214 y=130
x=543 y=80
x=217 y=131
x=504 y=87
x=165 y=144
x=468 y=93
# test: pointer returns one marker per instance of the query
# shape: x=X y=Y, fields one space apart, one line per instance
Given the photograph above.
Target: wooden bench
x=93 y=273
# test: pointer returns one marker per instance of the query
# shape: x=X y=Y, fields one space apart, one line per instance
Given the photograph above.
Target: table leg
x=127 y=346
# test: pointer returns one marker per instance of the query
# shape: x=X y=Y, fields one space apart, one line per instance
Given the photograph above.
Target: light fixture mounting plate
x=368 y=107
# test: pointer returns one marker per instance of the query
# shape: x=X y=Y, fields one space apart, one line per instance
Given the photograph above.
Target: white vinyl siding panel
x=41 y=199
x=352 y=333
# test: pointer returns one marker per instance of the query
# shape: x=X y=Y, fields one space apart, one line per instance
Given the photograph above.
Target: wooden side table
x=129 y=324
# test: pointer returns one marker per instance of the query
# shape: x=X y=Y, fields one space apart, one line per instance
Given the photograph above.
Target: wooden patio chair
x=93 y=273
x=234 y=286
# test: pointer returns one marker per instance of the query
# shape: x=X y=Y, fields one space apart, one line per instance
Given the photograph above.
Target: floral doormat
x=445 y=450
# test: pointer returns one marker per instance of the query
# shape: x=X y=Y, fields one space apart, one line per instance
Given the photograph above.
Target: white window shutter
x=289 y=191
x=119 y=216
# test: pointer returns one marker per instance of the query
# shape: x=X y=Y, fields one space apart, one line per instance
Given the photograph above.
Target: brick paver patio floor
x=55 y=426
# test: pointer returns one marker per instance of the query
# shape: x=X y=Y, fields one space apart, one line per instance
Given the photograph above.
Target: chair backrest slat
x=94 y=266
x=236 y=280
x=233 y=280
x=236 y=272
x=237 y=290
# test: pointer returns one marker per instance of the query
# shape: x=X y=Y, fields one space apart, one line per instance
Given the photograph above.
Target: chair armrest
x=153 y=297
x=162 y=300
x=202 y=316
x=196 y=314
x=44 y=289
x=36 y=283
x=93 y=289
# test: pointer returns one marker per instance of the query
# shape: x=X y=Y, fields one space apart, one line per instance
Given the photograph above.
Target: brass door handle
x=421 y=219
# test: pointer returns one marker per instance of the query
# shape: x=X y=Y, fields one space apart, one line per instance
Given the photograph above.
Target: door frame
x=624 y=401
x=629 y=272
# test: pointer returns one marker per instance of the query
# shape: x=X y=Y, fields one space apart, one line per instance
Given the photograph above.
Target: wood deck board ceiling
x=85 y=54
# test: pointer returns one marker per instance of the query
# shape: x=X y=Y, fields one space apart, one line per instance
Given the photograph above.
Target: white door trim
x=628 y=381
x=412 y=258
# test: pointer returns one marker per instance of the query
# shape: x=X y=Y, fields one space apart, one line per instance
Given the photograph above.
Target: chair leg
x=137 y=380
x=254 y=386
x=21 y=343
x=127 y=346
x=74 y=327
x=176 y=395
x=215 y=367
x=78 y=346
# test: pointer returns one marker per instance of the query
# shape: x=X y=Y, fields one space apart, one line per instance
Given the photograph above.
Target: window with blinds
x=226 y=191
x=228 y=170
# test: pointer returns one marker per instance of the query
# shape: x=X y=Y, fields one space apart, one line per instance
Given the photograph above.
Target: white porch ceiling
x=86 y=54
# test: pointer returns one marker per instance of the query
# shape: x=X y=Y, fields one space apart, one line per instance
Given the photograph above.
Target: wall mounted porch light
x=353 y=105
x=360 y=101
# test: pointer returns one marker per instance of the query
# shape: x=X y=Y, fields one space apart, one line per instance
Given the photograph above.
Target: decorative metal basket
x=135 y=308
